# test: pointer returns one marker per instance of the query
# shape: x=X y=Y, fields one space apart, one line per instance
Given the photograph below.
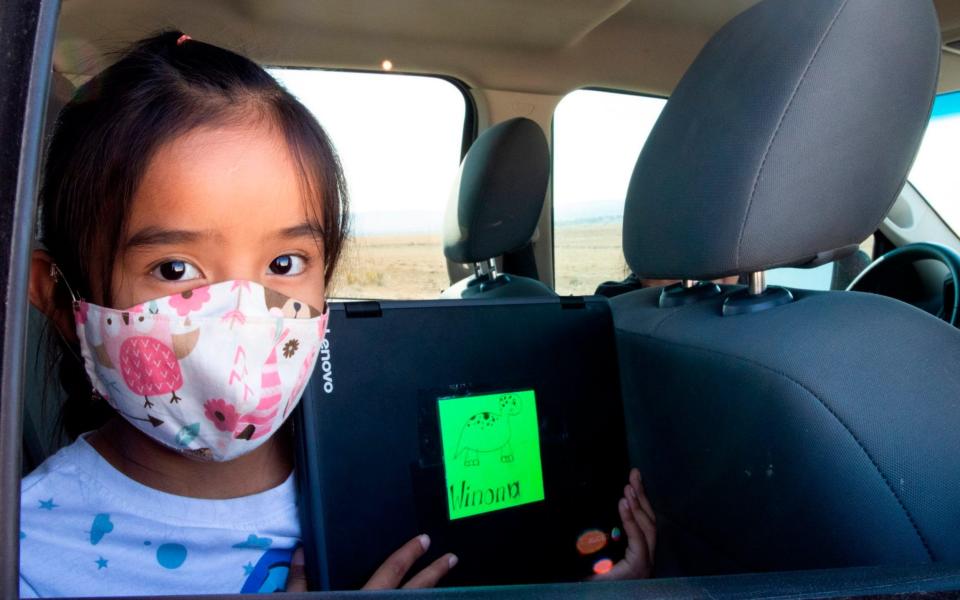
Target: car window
x=399 y=138
x=597 y=136
x=935 y=174
x=833 y=275
x=817 y=278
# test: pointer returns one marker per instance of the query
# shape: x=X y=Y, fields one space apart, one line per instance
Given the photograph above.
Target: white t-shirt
x=87 y=529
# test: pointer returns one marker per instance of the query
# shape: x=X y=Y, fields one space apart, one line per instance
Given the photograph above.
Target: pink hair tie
x=182 y=39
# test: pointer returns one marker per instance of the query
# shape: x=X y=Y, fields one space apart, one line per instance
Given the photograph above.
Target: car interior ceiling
x=805 y=419
x=538 y=47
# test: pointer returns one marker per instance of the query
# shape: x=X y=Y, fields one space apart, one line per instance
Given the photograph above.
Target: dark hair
x=160 y=88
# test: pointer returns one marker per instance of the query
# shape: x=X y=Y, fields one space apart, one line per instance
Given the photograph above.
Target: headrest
x=788 y=139
x=499 y=193
x=61 y=92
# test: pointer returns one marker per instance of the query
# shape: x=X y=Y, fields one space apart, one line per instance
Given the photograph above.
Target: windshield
x=935 y=173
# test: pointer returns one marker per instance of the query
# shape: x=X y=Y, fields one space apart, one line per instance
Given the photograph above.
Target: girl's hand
x=640 y=526
x=391 y=572
x=395 y=568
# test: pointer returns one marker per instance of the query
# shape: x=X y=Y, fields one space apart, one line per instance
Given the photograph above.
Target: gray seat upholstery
x=494 y=208
x=846 y=269
x=783 y=429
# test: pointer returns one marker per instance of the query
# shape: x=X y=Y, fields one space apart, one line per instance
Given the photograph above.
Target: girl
x=186 y=188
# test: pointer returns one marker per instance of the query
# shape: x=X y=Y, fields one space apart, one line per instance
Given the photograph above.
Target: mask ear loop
x=57 y=275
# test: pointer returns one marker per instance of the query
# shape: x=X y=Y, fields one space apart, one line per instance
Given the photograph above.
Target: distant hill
x=425 y=221
x=396 y=222
x=580 y=213
x=602 y=220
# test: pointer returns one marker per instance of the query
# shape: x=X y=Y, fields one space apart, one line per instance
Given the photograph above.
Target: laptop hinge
x=572 y=302
x=363 y=310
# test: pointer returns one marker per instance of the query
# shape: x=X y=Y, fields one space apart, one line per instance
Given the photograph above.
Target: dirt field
x=391 y=267
x=586 y=255
x=413 y=267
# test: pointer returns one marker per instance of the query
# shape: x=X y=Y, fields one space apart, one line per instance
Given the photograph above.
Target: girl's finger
x=636 y=482
x=297 y=577
x=637 y=549
x=393 y=570
x=429 y=577
x=647 y=526
x=635 y=563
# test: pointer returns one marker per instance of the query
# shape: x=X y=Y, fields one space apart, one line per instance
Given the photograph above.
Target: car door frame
x=27 y=32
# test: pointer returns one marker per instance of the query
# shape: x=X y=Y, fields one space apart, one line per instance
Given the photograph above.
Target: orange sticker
x=602 y=566
x=591 y=541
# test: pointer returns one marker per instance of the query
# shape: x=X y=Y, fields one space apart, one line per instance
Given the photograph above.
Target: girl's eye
x=287 y=264
x=176 y=270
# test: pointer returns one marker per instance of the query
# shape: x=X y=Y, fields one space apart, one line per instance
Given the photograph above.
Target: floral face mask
x=212 y=372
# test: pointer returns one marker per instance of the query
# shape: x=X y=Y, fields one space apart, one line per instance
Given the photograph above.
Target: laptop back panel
x=496 y=427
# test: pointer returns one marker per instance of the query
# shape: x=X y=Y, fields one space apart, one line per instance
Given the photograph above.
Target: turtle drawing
x=487 y=432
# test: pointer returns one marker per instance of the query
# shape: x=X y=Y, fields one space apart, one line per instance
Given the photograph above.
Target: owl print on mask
x=143 y=348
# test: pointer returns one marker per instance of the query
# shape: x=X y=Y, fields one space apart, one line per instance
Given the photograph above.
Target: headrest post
x=485 y=269
x=758 y=283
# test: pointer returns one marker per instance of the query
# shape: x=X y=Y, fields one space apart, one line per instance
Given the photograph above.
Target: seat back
x=784 y=429
x=494 y=208
x=814 y=435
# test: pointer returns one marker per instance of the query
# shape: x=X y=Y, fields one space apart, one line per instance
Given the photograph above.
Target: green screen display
x=491 y=452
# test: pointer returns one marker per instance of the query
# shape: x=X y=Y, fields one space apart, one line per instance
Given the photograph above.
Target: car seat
x=785 y=429
x=494 y=208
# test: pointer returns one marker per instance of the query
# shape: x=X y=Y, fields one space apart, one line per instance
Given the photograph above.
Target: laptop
x=494 y=426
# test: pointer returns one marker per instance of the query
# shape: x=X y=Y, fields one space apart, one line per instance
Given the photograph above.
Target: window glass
x=817 y=278
x=935 y=173
x=597 y=138
x=399 y=139
x=835 y=275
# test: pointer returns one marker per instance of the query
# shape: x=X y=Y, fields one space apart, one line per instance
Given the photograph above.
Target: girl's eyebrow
x=305 y=229
x=158 y=236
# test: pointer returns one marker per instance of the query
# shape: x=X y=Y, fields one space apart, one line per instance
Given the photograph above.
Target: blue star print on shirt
x=48 y=504
x=101 y=563
x=270 y=573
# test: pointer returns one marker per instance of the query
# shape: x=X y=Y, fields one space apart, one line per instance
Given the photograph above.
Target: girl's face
x=218 y=204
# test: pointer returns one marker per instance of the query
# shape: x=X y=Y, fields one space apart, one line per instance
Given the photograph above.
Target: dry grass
x=391 y=267
x=587 y=255
x=413 y=266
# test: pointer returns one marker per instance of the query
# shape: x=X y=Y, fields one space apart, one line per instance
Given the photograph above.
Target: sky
x=597 y=139
x=399 y=139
